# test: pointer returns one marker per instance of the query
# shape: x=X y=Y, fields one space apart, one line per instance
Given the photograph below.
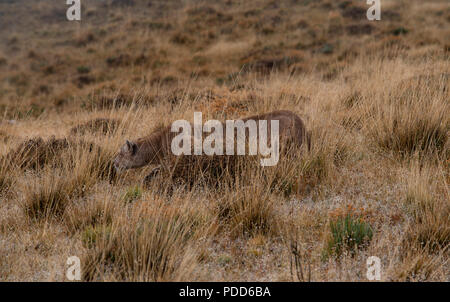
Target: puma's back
x=291 y=127
x=156 y=147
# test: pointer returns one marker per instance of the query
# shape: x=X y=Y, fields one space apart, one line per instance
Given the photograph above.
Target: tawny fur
x=156 y=147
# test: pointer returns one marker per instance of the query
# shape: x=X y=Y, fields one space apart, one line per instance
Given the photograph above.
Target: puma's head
x=129 y=157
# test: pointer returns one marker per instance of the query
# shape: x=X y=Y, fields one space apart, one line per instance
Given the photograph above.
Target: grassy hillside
x=374 y=94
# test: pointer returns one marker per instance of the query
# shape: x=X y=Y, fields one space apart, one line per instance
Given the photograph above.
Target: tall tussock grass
x=245 y=192
x=429 y=229
x=89 y=213
x=47 y=196
x=425 y=243
x=203 y=170
x=82 y=166
x=411 y=119
x=37 y=153
x=328 y=152
x=417 y=266
x=146 y=245
x=248 y=213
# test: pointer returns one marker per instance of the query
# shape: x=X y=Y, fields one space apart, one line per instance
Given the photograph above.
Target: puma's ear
x=130 y=147
x=127 y=147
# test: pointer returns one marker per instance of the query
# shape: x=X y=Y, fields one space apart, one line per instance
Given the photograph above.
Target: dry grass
x=6 y=179
x=430 y=227
x=374 y=96
x=147 y=244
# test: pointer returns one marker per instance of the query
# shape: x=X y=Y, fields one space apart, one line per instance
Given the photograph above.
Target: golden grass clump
x=148 y=245
x=424 y=245
x=47 y=197
x=54 y=187
x=250 y=213
x=89 y=213
x=418 y=267
x=66 y=153
x=430 y=226
x=412 y=119
x=35 y=153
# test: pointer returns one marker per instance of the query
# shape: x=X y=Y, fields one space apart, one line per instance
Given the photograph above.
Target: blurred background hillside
x=120 y=46
x=373 y=94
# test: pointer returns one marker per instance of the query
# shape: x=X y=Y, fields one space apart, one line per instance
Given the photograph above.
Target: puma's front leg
x=152 y=174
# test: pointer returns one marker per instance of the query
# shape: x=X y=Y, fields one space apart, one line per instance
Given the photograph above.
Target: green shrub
x=348 y=233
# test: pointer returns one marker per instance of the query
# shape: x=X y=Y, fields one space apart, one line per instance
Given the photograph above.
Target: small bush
x=348 y=233
x=326 y=49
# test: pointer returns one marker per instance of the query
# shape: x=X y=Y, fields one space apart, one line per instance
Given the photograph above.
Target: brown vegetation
x=375 y=96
